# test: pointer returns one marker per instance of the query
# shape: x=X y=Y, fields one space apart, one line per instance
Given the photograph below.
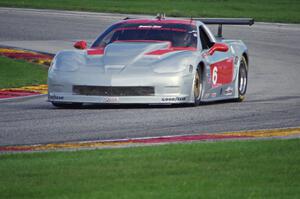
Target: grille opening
x=113 y=90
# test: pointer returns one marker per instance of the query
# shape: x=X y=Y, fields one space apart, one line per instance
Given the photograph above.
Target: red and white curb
x=27 y=55
x=270 y=133
x=25 y=91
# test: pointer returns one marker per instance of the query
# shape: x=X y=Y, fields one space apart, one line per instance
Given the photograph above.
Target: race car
x=152 y=61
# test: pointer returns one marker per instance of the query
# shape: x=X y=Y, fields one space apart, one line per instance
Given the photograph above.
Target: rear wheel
x=66 y=105
x=197 y=87
x=242 y=80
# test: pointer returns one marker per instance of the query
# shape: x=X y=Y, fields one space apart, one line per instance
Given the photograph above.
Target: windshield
x=180 y=35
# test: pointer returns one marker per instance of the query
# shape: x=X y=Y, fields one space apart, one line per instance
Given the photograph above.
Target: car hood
x=126 y=53
x=127 y=56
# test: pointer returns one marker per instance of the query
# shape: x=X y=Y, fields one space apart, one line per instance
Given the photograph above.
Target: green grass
x=247 y=169
x=16 y=73
x=261 y=10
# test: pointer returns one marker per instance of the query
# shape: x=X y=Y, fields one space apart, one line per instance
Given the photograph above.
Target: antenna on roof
x=126 y=18
x=220 y=31
x=160 y=16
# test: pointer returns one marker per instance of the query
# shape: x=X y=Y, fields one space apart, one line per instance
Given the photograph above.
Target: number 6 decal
x=215 y=75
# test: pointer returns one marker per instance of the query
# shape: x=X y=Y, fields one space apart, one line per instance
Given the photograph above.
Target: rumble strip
x=259 y=134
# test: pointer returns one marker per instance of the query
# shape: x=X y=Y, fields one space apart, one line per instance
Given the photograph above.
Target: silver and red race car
x=152 y=61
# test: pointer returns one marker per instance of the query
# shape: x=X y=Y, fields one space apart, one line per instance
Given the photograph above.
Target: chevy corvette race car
x=152 y=61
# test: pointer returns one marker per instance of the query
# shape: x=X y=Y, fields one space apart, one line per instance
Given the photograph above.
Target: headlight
x=66 y=61
x=64 y=66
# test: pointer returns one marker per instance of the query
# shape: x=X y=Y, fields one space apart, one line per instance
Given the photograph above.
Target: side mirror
x=80 y=45
x=219 y=47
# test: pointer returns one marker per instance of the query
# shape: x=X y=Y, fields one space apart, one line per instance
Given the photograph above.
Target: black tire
x=242 y=80
x=197 y=87
x=66 y=105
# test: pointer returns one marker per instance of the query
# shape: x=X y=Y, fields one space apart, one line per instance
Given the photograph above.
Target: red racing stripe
x=98 y=51
x=168 y=50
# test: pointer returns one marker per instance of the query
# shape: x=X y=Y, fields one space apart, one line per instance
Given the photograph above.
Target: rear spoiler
x=225 y=21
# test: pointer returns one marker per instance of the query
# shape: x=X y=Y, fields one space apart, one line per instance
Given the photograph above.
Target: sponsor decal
x=215 y=75
x=213 y=94
x=150 y=26
x=206 y=95
x=228 y=91
x=110 y=99
x=173 y=99
x=55 y=97
x=222 y=72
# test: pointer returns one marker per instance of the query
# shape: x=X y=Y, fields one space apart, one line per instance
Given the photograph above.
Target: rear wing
x=225 y=21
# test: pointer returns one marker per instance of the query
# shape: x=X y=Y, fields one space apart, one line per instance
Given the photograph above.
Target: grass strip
x=261 y=10
x=17 y=73
x=237 y=169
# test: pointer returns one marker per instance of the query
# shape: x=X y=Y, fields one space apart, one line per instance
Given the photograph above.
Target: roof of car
x=160 y=21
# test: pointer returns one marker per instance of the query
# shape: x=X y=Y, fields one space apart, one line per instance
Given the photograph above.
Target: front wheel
x=242 y=80
x=197 y=87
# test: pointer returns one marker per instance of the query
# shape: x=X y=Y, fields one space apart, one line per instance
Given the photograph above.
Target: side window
x=107 y=39
x=205 y=41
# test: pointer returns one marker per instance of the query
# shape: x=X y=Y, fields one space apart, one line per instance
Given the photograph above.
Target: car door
x=220 y=64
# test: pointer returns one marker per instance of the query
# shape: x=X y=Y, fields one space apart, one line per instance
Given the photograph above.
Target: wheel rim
x=242 y=80
x=197 y=86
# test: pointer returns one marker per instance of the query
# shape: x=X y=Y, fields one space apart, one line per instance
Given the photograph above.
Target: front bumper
x=168 y=88
x=161 y=99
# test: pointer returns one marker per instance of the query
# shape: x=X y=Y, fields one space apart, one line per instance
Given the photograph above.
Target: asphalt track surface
x=273 y=96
